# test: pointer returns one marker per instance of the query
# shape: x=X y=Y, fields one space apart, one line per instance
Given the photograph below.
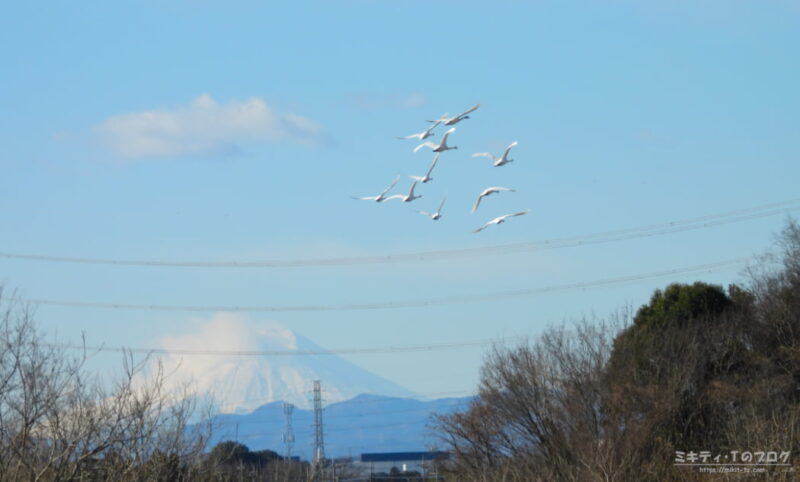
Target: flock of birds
x=442 y=146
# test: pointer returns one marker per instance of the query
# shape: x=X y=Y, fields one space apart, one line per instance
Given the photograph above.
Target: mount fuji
x=239 y=383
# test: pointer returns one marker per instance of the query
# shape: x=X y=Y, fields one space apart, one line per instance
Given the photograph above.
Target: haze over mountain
x=366 y=423
x=240 y=384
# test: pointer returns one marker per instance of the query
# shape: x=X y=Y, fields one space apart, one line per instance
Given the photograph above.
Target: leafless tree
x=700 y=368
x=58 y=423
x=539 y=413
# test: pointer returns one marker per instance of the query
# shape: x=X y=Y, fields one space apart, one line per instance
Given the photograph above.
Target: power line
x=447 y=394
x=427 y=395
x=275 y=421
x=335 y=428
x=464 y=398
x=263 y=353
x=356 y=427
x=681 y=225
x=385 y=305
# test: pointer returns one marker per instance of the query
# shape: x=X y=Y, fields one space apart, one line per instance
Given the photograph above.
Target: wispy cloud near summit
x=204 y=127
x=239 y=384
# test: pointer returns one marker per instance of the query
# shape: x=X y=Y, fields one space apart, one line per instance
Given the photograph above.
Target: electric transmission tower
x=288 y=432
x=319 y=442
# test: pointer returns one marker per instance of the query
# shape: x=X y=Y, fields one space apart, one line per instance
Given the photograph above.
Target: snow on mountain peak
x=240 y=384
x=277 y=334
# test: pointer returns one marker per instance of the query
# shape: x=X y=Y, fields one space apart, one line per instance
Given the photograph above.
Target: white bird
x=442 y=146
x=406 y=198
x=422 y=135
x=380 y=197
x=499 y=220
x=450 y=121
x=437 y=214
x=486 y=192
x=498 y=161
x=427 y=177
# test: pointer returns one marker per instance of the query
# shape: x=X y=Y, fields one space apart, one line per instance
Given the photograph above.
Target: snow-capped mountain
x=241 y=383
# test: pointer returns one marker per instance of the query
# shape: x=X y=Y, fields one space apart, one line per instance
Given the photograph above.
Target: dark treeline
x=699 y=372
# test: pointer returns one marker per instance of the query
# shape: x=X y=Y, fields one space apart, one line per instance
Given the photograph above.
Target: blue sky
x=199 y=130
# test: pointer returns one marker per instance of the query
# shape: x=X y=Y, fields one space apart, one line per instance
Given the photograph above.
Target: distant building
x=403 y=461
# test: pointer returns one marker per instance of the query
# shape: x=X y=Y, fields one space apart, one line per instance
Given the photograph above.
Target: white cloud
x=413 y=100
x=223 y=332
x=227 y=378
x=204 y=127
x=232 y=331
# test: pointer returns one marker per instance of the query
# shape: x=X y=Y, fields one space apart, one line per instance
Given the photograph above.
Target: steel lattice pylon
x=319 y=442
x=288 y=432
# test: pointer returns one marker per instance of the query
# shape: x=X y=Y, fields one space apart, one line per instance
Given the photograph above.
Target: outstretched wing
x=477 y=202
x=446 y=134
x=482 y=227
x=425 y=144
x=413 y=136
x=441 y=205
x=494 y=189
x=484 y=154
x=411 y=191
x=433 y=164
x=505 y=153
x=502 y=218
x=431 y=128
x=440 y=119
x=472 y=109
x=390 y=185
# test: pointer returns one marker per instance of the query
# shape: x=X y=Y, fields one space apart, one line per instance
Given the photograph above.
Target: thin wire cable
x=339 y=429
x=263 y=353
x=389 y=398
x=434 y=395
x=385 y=305
x=688 y=224
x=356 y=427
x=328 y=416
